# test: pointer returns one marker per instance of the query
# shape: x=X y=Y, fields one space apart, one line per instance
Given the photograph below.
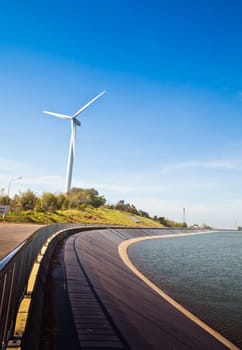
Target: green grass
x=87 y=216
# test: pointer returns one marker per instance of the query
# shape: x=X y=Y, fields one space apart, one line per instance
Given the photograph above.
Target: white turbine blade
x=63 y=116
x=88 y=104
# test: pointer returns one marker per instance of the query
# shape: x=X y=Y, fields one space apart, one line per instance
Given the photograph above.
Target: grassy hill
x=88 y=216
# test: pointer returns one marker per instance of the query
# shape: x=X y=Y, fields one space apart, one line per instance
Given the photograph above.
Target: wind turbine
x=74 y=123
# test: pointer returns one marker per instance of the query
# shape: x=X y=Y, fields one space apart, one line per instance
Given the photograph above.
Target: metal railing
x=15 y=269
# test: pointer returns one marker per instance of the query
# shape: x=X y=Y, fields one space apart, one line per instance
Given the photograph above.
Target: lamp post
x=10 y=181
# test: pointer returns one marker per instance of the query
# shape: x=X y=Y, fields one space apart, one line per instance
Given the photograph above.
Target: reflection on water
x=203 y=273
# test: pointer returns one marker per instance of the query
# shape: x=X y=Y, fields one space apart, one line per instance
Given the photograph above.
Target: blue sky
x=167 y=133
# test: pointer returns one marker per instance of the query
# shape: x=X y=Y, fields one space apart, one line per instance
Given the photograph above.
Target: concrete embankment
x=109 y=305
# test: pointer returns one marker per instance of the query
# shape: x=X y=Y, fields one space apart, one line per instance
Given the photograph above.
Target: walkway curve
x=144 y=319
x=123 y=248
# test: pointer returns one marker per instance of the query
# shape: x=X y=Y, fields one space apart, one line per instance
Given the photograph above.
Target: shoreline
x=146 y=320
x=123 y=252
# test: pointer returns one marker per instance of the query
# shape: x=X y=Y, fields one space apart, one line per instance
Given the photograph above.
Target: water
x=203 y=273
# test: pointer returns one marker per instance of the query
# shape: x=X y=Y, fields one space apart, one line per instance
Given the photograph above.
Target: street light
x=9 y=182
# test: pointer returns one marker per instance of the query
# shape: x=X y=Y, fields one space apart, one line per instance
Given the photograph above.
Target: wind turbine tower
x=74 y=123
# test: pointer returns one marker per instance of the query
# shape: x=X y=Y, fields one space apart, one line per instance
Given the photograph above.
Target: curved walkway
x=113 y=308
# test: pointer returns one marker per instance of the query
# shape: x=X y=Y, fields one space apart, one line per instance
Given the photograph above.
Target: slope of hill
x=88 y=215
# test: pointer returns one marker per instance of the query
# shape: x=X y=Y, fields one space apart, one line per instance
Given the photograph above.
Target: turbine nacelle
x=76 y=122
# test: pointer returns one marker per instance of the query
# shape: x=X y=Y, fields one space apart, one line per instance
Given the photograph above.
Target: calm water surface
x=203 y=273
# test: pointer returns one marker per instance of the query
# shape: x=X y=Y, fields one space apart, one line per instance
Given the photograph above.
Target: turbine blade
x=88 y=104
x=62 y=116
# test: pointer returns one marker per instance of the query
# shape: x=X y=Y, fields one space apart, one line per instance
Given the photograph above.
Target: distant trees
x=129 y=208
x=76 y=198
x=122 y=206
x=144 y=214
x=24 y=201
x=169 y=223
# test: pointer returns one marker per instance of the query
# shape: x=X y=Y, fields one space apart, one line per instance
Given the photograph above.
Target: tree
x=144 y=214
x=162 y=220
x=26 y=200
x=120 y=205
x=130 y=208
x=4 y=200
x=94 y=199
x=60 y=200
x=48 y=202
x=79 y=197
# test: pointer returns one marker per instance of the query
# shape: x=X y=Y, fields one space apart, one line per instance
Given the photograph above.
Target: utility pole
x=184 y=215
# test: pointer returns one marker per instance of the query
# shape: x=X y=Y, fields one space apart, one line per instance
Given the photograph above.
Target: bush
x=26 y=200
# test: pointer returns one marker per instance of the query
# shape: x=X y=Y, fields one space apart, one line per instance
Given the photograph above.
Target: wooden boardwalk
x=95 y=329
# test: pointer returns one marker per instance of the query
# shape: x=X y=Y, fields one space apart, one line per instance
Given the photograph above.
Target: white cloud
x=40 y=184
x=218 y=214
x=119 y=188
x=10 y=169
x=44 y=180
x=144 y=189
x=222 y=165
